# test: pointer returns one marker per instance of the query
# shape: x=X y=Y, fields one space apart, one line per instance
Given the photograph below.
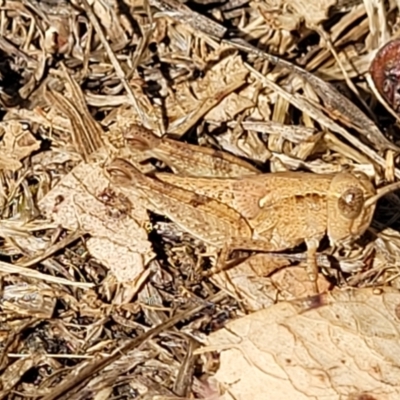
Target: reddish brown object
x=385 y=71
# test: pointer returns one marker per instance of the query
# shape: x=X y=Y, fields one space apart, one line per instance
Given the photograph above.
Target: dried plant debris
x=17 y=142
x=105 y=295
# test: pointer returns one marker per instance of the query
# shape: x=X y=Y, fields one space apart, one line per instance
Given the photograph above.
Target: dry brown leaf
x=237 y=141
x=346 y=347
x=294 y=283
x=119 y=240
x=16 y=144
x=191 y=102
x=244 y=145
x=313 y=12
x=276 y=12
x=125 y=115
x=273 y=13
x=229 y=107
x=107 y=12
x=250 y=282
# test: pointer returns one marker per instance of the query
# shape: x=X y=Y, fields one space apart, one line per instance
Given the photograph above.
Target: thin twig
x=118 y=69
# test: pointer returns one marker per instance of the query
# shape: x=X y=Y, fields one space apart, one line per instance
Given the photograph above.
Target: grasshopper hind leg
x=312 y=265
x=221 y=262
x=240 y=243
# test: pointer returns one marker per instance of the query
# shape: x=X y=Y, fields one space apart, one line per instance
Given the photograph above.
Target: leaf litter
x=101 y=298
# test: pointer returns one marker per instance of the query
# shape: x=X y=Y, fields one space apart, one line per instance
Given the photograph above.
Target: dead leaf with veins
x=85 y=200
x=344 y=345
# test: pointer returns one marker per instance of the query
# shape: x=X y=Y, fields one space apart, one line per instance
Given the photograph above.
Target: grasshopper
x=268 y=212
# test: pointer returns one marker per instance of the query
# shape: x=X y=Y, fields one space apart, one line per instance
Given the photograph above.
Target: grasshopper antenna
x=382 y=192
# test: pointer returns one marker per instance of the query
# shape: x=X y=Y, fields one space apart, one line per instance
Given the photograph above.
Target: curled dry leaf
x=123 y=117
x=386 y=257
x=192 y=102
x=107 y=13
x=244 y=145
x=345 y=348
x=16 y=144
x=250 y=281
x=229 y=108
x=58 y=37
x=313 y=12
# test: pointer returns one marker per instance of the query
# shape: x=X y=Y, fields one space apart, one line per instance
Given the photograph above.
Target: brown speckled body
x=287 y=208
x=228 y=204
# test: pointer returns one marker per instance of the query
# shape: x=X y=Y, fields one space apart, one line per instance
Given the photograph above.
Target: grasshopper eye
x=351 y=203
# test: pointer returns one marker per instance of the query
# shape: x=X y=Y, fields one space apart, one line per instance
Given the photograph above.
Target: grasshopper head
x=348 y=214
